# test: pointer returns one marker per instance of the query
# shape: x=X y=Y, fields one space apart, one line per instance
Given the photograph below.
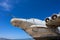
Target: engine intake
x=54 y=17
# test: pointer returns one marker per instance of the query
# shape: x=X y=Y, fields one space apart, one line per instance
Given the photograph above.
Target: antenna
x=26 y=22
x=33 y=20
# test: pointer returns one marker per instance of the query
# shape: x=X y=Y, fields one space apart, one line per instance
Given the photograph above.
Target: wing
x=21 y=23
x=32 y=29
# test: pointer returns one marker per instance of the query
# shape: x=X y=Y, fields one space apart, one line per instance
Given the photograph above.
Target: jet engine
x=54 y=17
x=47 y=19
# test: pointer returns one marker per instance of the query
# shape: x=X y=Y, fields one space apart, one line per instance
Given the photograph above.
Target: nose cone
x=14 y=21
x=17 y=21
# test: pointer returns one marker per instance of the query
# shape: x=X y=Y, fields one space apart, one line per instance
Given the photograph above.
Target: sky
x=39 y=9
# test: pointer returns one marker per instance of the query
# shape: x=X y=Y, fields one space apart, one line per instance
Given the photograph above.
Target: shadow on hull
x=48 y=38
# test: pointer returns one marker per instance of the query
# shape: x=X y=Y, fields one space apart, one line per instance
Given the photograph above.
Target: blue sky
x=24 y=9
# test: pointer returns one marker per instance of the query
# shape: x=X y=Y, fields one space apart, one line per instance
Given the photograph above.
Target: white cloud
x=5 y=6
x=8 y=5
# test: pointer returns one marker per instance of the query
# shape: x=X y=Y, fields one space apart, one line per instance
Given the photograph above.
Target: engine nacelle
x=54 y=22
x=54 y=17
x=46 y=20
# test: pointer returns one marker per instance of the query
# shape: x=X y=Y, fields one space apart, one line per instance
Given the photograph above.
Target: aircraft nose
x=14 y=23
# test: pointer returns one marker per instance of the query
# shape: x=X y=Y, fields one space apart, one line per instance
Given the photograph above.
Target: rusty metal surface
x=41 y=33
